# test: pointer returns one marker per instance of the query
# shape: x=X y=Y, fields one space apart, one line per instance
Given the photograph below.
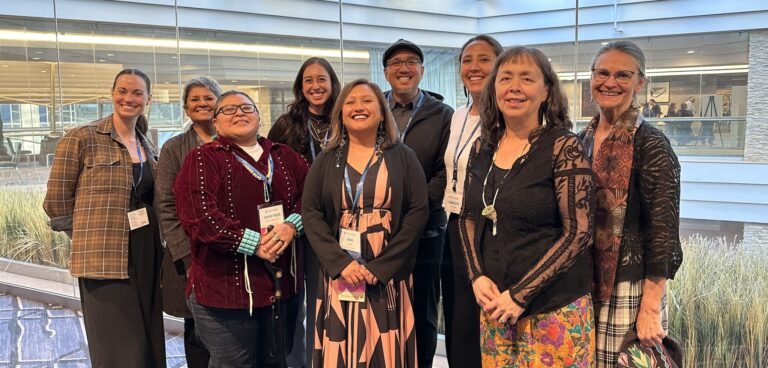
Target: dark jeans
x=236 y=339
x=462 y=314
x=196 y=353
x=426 y=290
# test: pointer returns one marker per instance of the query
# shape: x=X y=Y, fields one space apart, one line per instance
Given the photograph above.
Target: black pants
x=196 y=353
x=426 y=290
x=462 y=314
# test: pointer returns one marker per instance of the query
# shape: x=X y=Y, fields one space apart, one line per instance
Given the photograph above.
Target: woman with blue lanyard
x=365 y=206
x=306 y=129
x=239 y=200
x=100 y=192
x=462 y=315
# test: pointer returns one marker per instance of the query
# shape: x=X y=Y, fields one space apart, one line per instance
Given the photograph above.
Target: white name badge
x=270 y=214
x=351 y=240
x=138 y=218
x=453 y=202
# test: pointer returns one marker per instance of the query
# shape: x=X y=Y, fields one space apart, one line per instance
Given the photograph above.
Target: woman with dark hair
x=365 y=206
x=527 y=219
x=315 y=90
x=637 y=208
x=100 y=192
x=200 y=95
x=239 y=199
x=306 y=128
x=462 y=315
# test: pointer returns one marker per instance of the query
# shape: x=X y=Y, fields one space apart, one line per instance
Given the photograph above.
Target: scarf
x=612 y=166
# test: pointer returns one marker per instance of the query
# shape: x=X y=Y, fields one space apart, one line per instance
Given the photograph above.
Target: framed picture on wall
x=658 y=91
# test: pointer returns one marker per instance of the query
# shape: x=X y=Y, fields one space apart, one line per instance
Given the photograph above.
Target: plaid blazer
x=89 y=191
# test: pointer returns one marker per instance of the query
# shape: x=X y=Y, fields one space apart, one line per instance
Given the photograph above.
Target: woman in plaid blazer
x=100 y=193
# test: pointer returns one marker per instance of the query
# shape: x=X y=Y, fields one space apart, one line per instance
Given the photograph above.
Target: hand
x=354 y=273
x=504 y=309
x=369 y=277
x=485 y=290
x=269 y=257
x=649 y=329
x=274 y=247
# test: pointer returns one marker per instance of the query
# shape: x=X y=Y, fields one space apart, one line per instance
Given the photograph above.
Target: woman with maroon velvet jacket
x=239 y=199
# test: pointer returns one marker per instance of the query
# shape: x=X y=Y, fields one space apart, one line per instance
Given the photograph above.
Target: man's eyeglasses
x=621 y=76
x=232 y=109
x=410 y=63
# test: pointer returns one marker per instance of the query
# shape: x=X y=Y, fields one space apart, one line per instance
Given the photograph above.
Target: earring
x=379 y=138
x=342 y=143
x=543 y=112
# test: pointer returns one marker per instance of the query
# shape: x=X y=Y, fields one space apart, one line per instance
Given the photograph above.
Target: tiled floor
x=36 y=335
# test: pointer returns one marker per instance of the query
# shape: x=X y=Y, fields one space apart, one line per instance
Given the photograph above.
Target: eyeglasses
x=621 y=76
x=396 y=64
x=232 y=109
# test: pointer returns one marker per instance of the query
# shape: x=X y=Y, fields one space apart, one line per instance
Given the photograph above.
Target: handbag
x=632 y=354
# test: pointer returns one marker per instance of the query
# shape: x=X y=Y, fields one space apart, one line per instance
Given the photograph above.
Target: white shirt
x=254 y=151
x=453 y=200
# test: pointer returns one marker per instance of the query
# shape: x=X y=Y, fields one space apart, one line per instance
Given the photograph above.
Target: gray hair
x=204 y=82
x=626 y=47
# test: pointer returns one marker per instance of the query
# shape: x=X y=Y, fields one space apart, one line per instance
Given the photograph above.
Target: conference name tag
x=453 y=202
x=350 y=241
x=270 y=214
x=138 y=218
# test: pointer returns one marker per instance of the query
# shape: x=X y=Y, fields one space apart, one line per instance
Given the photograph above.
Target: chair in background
x=13 y=164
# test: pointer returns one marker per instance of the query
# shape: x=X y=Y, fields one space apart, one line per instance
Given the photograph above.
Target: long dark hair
x=298 y=111
x=495 y=45
x=554 y=108
x=390 y=129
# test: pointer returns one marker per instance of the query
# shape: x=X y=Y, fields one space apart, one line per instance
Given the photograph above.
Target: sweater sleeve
x=470 y=250
x=659 y=184
x=574 y=191
x=168 y=167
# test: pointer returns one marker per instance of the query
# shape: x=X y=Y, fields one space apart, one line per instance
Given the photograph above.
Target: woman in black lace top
x=527 y=220
x=637 y=206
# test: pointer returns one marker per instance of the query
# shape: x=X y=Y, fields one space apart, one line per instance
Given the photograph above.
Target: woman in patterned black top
x=637 y=206
x=527 y=219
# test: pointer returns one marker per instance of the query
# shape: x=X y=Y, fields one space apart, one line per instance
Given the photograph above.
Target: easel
x=710 y=111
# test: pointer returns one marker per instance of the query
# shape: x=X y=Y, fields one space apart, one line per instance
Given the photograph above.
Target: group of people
x=362 y=207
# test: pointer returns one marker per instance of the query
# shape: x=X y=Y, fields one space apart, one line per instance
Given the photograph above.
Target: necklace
x=489 y=210
x=317 y=132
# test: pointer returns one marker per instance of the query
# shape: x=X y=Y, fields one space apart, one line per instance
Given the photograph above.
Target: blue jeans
x=236 y=339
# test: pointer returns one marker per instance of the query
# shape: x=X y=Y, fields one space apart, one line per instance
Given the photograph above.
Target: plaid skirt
x=617 y=316
x=563 y=338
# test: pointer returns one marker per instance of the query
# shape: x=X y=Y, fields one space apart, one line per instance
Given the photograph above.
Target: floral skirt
x=563 y=338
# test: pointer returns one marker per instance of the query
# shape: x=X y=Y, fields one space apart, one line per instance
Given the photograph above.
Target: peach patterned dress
x=380 y=331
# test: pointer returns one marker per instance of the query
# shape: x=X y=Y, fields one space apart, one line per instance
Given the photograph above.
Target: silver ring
x=502 y=320
x=276 y=237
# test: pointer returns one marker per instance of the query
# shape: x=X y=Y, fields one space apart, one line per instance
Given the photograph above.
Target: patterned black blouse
x=545 y=218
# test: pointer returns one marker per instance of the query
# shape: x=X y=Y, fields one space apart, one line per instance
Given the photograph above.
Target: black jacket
x=428 y=135
x=321 y=211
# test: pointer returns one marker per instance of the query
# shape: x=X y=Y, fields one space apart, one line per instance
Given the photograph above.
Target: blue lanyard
x=416 y=108
x=266 y=179
x=359 y=183
x=312 y=142
x=141 y=173
x=457 y=152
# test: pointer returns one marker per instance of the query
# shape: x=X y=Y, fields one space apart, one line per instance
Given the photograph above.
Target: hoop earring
x=342 y=143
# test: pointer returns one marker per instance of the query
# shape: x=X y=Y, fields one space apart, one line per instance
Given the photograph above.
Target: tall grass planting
x=719 y=304
x=24 y=232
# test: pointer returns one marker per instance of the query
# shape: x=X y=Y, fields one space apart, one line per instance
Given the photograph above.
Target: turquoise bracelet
x=294 y=220
x=250 y=242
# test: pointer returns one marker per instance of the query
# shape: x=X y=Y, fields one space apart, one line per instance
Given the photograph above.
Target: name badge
x=138 y=218
x=453 y=202
x=270 y=214
x=348 y=292
x=351 y=241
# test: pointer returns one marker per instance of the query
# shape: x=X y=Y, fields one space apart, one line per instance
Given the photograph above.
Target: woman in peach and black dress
x=364 y=207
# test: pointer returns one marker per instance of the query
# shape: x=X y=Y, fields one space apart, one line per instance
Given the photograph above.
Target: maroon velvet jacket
x=216 y=199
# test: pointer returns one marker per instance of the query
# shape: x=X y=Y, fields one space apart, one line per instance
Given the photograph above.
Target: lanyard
x=135 y=184
x=416 y=107
x=312 y=141
x=457 y=152
x=267 y=179
x=359 y=183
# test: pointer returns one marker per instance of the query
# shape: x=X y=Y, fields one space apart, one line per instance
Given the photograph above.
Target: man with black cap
x=424 y=121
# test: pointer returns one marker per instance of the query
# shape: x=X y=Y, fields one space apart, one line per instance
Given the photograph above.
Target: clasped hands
x=498 y=306
x=355 y=274
x=275 y=242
